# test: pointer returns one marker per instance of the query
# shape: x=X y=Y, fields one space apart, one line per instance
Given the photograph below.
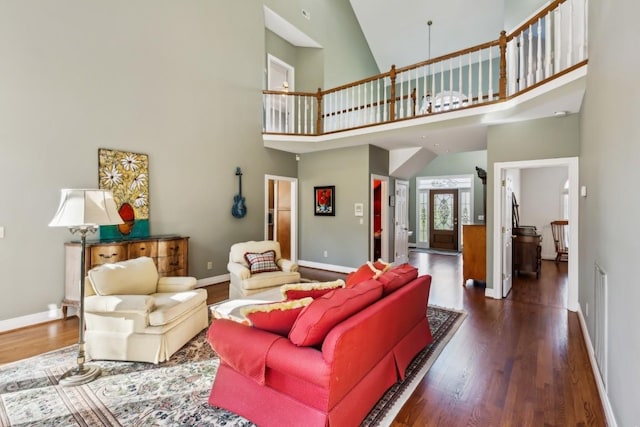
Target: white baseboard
x=604 y=398
x=31 y=319
x=207 y=281
x=329 y=267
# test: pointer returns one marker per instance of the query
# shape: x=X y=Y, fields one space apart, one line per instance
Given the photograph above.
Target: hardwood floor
x=516 y=362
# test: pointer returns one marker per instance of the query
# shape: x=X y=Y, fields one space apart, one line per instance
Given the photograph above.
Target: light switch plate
x=1 y=232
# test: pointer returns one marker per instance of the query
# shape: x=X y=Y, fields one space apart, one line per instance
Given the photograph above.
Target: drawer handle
x=108 y=256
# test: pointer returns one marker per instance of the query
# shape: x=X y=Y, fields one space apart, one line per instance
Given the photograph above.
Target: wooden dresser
x=474 y=253
x=169 y=252
x=526 y=254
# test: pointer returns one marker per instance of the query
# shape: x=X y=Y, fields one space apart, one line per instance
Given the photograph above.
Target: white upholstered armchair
x=132 y=314
x=257 y=266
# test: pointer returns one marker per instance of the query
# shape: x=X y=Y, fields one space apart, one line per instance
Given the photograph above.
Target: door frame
x=384 y=217
x=499 y=169
x=294 y=211
x=471 y=188
x=396 y=226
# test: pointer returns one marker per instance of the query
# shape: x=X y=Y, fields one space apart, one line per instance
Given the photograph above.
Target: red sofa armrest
x=242 y=347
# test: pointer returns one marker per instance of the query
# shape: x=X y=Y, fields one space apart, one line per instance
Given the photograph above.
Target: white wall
x=541 y=202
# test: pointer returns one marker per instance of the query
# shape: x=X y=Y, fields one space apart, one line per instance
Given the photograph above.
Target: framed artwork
x=325 y=200
x=126 y=174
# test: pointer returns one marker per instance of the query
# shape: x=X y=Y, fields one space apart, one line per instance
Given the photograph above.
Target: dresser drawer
x=146 y=248
x=104 y=254
x=173 y=247
x=170 y=265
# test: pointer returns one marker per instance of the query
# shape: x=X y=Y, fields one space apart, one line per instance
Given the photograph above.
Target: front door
x=443 y=221
x=507 y=224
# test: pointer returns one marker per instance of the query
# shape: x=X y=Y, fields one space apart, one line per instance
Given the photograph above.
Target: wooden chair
x=559 y=229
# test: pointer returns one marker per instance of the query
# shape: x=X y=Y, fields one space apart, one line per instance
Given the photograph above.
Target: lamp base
x=78 y=376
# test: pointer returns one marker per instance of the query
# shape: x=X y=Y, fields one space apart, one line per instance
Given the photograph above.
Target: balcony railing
x=550 y=44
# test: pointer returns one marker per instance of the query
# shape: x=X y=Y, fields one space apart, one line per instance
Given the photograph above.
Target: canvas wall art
x=325 y=202
x=126 y=174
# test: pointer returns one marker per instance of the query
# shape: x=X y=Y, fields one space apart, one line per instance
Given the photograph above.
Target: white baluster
x=569 y=5
x=521 y=80
x=409 y=108
x=530 y=80
x=548 y=40
x=584 y=51
x=441 y=92
x=400 y=113
x=460 y=81
x=379 y=115
x=480 y=93
x=490 y=93
x=557 y=54
x=450 y=81
x=470 y=78
x=539 y=73
x=512 y=66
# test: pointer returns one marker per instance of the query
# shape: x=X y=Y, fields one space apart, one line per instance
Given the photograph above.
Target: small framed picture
x=325 y=200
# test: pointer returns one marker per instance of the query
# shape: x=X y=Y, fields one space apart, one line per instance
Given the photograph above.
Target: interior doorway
x=500 y=252
x=281 y=214
x=379 y=240
x=280 y=77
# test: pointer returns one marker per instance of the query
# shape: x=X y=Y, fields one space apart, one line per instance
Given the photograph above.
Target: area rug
x=168 y=394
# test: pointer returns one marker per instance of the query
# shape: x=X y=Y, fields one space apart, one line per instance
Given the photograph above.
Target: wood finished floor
x=516 y=362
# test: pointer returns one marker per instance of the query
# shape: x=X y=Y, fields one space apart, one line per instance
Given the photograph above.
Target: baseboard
x=214 y=280
x=31 y=319
x=329 y=267
x=604 y=398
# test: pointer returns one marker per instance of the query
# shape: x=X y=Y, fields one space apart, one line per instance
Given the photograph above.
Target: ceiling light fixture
x=426 y=102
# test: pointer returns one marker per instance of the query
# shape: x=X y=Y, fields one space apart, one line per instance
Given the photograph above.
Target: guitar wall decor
x=239 y=209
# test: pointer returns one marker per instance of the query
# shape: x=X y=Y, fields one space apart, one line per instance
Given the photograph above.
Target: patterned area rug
x=168 y=394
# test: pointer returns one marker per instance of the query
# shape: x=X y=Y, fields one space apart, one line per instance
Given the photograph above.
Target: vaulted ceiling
x=397 y=32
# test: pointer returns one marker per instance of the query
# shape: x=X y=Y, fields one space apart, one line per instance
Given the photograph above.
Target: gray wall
x=610 y=169
x=532 y=140
x=179 y=81
x=451 y=164
x=333 y=25
x=342 y=236
x=308 y=62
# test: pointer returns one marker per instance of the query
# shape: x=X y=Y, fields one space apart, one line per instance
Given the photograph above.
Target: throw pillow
x=261 y=262
x=397 y=277
x=318 y=318
x=313 y=290
x=369 y=270
x=275 y=317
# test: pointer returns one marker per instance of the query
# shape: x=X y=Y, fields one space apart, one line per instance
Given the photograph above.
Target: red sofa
x=271 y=381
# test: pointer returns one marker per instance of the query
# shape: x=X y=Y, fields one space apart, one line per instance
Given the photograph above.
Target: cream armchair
x=245 y=283
x=132 y=314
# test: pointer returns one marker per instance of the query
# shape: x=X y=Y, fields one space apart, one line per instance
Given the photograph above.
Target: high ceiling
x=397 y=31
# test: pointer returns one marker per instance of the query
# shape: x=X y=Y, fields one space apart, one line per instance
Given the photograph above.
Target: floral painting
x=127 y=176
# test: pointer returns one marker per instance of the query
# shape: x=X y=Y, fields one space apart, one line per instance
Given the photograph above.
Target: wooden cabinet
x=526 y=254
x=474 y=253
x=170 y=253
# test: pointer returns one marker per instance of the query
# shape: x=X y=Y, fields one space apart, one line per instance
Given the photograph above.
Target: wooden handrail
x=553 y=5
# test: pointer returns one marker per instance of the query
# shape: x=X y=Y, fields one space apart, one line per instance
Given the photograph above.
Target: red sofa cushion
x=319 y=317
x=397 y=277
x=277 y=317
x=369 y=270
x=313 y=290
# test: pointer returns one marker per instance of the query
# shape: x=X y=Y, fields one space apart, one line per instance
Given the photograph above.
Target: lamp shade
x=86 y=207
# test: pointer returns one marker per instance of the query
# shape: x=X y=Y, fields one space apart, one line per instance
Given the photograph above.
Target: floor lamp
x=82 y=211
